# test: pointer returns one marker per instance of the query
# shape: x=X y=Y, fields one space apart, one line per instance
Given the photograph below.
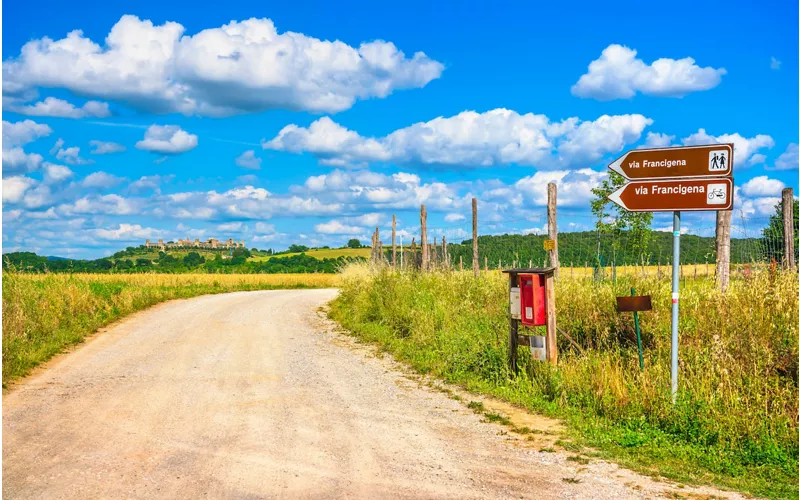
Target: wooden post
x=378 y=256
x=394 y=245
x=461 y=262
x=434 y=255
x=423 y=221
x=723 y=243
x=513 y=325
x=372 y=250
x=413 y=250
x=552 y=229
x=787 y=204
x=485 y=263
x=445 y=257
x=550 y=339
x=475 y=263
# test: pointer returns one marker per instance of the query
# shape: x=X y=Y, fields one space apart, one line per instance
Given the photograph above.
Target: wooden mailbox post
x=527 y=288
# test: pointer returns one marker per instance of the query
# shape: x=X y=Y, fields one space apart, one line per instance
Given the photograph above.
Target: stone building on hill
x=211 y=243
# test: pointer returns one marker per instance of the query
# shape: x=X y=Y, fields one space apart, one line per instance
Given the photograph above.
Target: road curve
x=250 y=395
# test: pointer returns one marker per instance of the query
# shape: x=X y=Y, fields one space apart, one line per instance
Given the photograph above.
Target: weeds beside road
x=44 y=313
x=735 y=423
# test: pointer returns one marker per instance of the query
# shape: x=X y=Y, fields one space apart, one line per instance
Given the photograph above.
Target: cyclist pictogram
x=717 y=194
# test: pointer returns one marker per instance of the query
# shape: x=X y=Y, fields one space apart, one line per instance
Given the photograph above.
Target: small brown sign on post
x=634 y=303
x=714 y=160
x=715 y=193
x=549 y=245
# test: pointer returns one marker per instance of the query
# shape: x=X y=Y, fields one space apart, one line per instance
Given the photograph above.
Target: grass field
x=736 y=420
x=324 y=253
x=44 y=313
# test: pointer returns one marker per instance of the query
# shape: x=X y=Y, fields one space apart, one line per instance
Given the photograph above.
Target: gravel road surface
x=255 y=395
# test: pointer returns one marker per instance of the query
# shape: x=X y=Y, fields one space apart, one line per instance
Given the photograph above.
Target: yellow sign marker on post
x=549 y=245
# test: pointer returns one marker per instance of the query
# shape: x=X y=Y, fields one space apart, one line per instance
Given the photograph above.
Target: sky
x=280 y=123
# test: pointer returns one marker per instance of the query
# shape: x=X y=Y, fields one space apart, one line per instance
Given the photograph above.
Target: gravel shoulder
x=256 y=395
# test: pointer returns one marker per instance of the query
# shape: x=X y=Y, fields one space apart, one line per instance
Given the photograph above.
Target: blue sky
x=278 y=124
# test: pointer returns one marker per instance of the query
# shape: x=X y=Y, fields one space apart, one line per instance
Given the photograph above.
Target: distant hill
x=188 y=260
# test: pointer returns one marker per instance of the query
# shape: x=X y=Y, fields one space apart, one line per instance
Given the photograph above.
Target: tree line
x=193 y=262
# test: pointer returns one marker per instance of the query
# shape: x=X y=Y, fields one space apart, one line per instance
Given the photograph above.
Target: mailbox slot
x=533 y=310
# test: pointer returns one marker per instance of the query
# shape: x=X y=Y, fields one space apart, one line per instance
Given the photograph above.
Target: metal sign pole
x=676 y=269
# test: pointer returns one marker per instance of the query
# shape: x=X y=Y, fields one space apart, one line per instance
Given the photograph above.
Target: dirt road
x=252 y=395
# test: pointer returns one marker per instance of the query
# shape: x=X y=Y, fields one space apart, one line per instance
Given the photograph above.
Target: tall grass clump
x=735 y=422
x=43 y=313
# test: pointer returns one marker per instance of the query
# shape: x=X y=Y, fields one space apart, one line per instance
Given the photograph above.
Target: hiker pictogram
x=717 y=161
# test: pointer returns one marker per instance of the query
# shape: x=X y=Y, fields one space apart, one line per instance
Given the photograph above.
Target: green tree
x=354 y=243
x=193 y=259
x=298 y=249
x=771 y=241
x=613 y=219
x=143 y=263
x=242 y=252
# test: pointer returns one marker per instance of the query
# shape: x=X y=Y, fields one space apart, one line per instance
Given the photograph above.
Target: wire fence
x=584 y=251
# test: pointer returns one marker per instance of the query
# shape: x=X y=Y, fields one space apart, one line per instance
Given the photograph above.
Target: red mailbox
x=533 y=310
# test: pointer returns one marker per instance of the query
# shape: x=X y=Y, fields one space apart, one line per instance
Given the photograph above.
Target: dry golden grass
x=43 y=313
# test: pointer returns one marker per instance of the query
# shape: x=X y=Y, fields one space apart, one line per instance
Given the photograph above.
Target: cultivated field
x=43 y=313
x=735 y=423
x=324 y=253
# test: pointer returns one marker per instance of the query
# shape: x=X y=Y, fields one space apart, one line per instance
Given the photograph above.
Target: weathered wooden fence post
x=372 y=250
x=445 y=257
x=394 y=245
x=550 y=302
x=423 y=221
x=460 y=262
x=476 y=268
x=552 y=228
x=513 y=327
x=723 y=244
x=787 y=204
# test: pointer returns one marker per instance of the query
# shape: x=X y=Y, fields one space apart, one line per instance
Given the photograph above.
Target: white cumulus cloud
x=788 y=160
x=470 y=139
x=128 y=232
x=167 y=139
x=21 y=133
x=336 y=227
x=101 y=180
x=71 y=155
x=762 y=186
x=619 y=74
x=14 y=188
x=240 y=67
x=104 y=148
x=743 y=147
x=52 y=106
x=248 y=159
x=54 y=174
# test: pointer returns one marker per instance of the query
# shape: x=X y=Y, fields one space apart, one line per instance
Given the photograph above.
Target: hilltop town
x=212 y=243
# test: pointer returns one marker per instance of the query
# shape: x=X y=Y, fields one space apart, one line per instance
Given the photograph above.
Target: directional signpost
x=691 y=178
x=671 y=163
x=670 y=195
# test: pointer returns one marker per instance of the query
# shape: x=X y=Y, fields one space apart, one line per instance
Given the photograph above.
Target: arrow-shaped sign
x=675 y=195
x=685 y=162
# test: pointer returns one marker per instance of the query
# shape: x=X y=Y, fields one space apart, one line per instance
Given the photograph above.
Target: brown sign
x=691 y=161
x=675 y=195
x=634 y=303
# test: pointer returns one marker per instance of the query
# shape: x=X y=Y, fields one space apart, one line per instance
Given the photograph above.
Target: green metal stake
x=638 y=333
